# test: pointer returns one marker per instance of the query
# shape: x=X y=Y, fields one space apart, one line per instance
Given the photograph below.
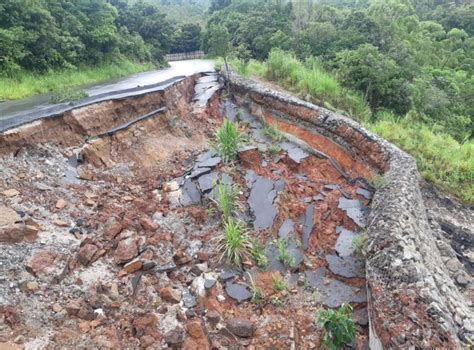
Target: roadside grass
x=225 y=198
x=28 y=83
x=440 y=159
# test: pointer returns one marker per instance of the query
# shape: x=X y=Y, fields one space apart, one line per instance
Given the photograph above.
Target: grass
x=273 y=133
x=68 y=95
x=234 y=244
x=28 y=83
x=278 y=282
x=339 y=327
x=257 y=294
x=440 y=159
x=258 y=254
x=225 y=198
x=284 y=256
x=358 y=244
x=228 y=140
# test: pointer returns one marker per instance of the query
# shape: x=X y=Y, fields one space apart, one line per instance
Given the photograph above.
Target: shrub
x=234 y=244
x=228 y=139
x=358 y=244
x=339 y=327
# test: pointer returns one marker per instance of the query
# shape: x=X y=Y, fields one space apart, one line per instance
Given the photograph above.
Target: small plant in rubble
x=358 y=244
x=339 y=327
x=225 y=198
x=275 y=301
x=284 y=256
x=234 y=243
x=257 y=295
x=273 y=133
x=228 y=140
x=258 y=254
x=278 y=282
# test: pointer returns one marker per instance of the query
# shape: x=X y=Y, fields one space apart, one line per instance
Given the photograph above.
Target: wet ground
x=121 y=252
x=39 y=104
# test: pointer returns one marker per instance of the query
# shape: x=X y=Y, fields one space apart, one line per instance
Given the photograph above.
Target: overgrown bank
x=30 y=83
x=440 y=158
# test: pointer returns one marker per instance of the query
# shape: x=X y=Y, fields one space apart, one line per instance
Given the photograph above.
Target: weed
x=228 y=139
x=339 y=327
x=358 y=244
x=225 y=198
x=68 y=96
x=273 y=133
x=284 y=256
x=278 y=282
x=377 y=181
x=257 y=295
x=258 y=254
x=275 y=301
x=274 y=149
x=234 y=244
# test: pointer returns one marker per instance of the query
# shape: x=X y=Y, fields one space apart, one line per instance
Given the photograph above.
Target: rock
x=209 y=283
x=132 y=266
x=11 y=193
x=260 y=200
x=175 y=337
x=364 y=193
x=286 y=229
x=189 y=300
x=147 y=341
x=296 y=154
x=60 y=223
x=32 y=286
x=238 y=292
x=241 y=327
x=249 y=156
x=8 y=216
x=213 y=317
x=73 y=307
x=42 y=262
x=354 y=209
x=57 y=308
x=344 y=244
x=61 y=204
x=461 y=280
x=307 y=220
x=86 y=254
x=148 y=224
x=112 y=228
x=195 y=330
x=198 y=172
x=361 y=317
x=209 y=163
x=347 y=266
x=206 y=182
x=190 y=194
x=127 y=249
x=203 y=256
x=170 y=295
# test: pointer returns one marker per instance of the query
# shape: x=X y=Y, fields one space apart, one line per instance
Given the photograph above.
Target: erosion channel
x=108 y=228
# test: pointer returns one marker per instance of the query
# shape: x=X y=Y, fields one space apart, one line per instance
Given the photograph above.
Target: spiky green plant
x=234 y=243
x=228 y=139
x=273 y=133
x=278 y=282
x=284 y=256
x=339 y=327
x=258 y=254
x=225 y=198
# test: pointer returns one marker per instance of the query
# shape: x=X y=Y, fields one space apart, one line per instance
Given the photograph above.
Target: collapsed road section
x=110 y=228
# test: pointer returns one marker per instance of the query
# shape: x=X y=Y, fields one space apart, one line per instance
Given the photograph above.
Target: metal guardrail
x=184 y=56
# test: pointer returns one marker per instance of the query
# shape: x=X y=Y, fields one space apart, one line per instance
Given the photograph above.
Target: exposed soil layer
x=109 y=242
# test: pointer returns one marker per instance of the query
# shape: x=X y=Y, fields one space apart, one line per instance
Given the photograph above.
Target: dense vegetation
x=403 y=68
x=38 y=38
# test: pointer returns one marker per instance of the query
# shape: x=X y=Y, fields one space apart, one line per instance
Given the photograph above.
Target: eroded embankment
x=109 y=223
x=413 y=301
